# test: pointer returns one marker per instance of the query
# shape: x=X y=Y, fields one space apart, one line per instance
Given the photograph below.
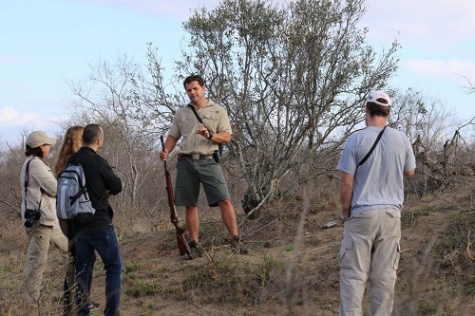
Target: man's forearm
x=170 y=143
x=221 y=138
x=346 y=194
x=345 y=199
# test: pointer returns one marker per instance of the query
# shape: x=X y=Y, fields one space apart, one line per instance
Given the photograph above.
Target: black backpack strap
x=27 y=179
x=372 y=148
x=197 y=116
x=82 y=190
x=77 y=195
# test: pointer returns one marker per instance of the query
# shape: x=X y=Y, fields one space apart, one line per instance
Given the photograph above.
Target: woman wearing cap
x=38 y=212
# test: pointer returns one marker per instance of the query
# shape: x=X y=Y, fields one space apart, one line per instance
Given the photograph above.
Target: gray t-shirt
x=378 y=183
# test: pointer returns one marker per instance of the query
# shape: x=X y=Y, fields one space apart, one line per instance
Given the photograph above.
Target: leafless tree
x=114 y=96
x=11 y=160
x=422 y=116
x=470 y=88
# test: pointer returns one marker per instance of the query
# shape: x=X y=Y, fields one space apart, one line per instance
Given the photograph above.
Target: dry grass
x=12 y=271
x=291 y=268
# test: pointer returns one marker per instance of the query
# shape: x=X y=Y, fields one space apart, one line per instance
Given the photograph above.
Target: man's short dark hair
x=378 y=110
x=192 y=78
x=92 y=132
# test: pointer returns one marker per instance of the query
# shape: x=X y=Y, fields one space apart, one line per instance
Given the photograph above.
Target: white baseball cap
x=38 y=138
x=380 y=98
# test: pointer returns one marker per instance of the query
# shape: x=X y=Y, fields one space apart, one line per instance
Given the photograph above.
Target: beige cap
x=38 y=138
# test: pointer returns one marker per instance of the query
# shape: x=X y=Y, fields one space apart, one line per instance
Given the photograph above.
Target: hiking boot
x=94 y=306
x=195 y=251
x=237 y=246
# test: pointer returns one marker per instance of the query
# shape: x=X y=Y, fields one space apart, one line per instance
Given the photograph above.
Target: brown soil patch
x=291 y=268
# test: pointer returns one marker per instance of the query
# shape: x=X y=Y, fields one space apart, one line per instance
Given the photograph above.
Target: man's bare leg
x=192 y=222
x=229 y=217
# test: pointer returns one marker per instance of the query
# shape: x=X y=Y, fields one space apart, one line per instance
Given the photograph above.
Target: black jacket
x=99 y=179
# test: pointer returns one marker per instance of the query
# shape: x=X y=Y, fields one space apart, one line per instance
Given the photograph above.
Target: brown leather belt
x=194 y=156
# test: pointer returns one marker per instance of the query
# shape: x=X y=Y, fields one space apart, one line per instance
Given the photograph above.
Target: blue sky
x=44 y=43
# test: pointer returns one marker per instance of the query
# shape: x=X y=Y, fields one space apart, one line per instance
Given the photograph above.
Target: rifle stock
x=180 y=239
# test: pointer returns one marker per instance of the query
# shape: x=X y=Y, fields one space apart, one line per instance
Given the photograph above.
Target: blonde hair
x=71 y=143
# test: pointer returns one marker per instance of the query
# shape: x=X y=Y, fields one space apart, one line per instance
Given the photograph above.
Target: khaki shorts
x=190 y=173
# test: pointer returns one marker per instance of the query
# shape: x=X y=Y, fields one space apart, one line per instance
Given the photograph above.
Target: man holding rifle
x=203 y=125
x=372 y=167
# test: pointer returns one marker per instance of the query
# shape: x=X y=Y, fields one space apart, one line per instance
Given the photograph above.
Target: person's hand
x=108 y=193
x=203 y=131
x=163 y=155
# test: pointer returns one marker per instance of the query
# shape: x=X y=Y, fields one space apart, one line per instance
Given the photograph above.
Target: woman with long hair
x=72 y=141
x=38 y=212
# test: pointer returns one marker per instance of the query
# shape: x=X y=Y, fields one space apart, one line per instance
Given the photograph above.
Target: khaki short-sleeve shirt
x=185 y=124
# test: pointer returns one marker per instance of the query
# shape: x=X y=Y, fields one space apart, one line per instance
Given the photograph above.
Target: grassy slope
x=291 y=268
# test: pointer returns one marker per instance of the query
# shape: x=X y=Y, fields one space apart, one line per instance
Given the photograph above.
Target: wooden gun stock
x=180 y=239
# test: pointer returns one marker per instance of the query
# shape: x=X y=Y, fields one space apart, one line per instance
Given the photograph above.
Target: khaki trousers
x=40 y=237
x=369 y=253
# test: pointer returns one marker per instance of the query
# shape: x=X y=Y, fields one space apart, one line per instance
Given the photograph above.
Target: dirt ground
x=291 y=267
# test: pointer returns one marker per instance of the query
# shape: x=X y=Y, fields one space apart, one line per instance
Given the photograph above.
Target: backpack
x=72 y=200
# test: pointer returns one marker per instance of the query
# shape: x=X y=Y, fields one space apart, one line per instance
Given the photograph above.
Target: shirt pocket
x=186 y=125
x=211 y=120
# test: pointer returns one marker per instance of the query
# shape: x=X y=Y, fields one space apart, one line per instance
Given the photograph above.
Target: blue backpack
x=72 y=199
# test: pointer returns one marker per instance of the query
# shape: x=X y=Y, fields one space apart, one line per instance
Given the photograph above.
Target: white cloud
x=14 y=124
x=10 y=116
x=180 y=8
x=11 y=85
x=442 y=69
x=11 y=59
x=430 y=23
x=436 y=23
x=7 y=114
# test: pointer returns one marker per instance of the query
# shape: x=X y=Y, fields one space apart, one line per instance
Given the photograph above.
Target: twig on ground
x=469 y=244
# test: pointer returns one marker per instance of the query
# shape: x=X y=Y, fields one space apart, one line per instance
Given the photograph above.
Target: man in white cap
x=373 y=165
x=38 y=211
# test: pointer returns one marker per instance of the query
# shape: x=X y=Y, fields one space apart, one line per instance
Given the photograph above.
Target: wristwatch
x=210 y=135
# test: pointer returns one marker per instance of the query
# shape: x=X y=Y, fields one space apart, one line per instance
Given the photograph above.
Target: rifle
x=180 y=239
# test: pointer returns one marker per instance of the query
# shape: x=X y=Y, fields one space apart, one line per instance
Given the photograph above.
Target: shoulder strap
x=197 y=116
x=27 y=174
x=27 y=177
x=82 y=187
x=220 y=146
x=372 y=148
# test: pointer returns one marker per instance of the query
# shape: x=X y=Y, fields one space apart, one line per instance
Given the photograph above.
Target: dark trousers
x=70 y=282
x=105 y=243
